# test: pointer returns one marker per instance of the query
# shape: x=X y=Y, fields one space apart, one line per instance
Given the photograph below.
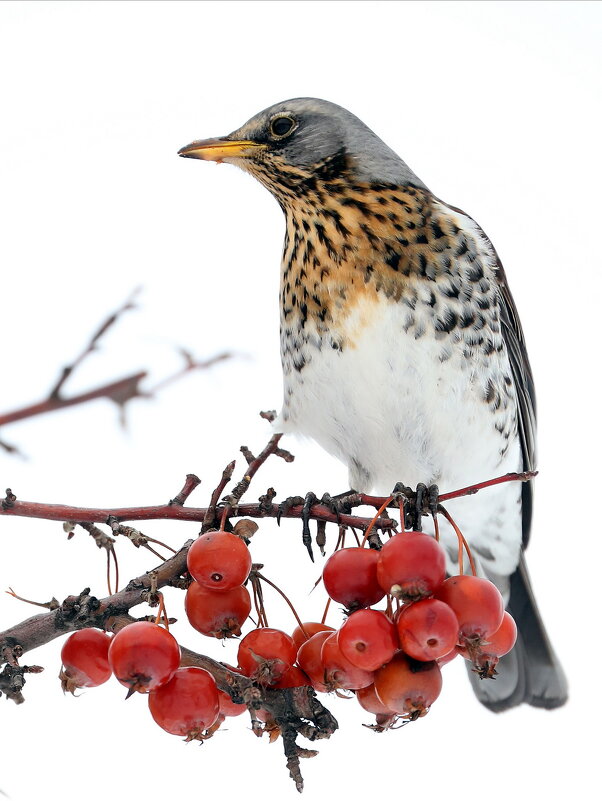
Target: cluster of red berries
x=390 y=659
x=217 y=603
x=145 y=658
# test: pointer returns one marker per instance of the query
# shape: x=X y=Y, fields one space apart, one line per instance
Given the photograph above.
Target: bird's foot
x=343 y=503
x=338 y=504
x=418 y=503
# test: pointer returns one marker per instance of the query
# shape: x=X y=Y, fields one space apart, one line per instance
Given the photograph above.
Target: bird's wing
x=522 y=376
x=525 y=389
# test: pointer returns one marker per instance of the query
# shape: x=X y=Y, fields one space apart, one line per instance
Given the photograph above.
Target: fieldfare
x=402 y=351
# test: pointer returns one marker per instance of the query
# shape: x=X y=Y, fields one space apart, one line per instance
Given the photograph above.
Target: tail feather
x=530 y=673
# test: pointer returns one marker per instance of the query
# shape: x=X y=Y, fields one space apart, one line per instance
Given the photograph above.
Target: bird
x=402 y=351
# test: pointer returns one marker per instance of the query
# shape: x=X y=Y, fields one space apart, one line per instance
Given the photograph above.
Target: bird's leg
x=307 y=503
x=287 y=504
x=421 y=494
x=343 y=503
x=338 y=504
x=417 y=503
x=310 y=500
x=433 y=499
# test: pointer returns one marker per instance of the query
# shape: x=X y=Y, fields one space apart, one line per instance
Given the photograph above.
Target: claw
x=310 y=500
x=288 y=503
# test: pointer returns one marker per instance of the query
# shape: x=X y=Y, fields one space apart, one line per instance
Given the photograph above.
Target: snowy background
x=496 y=106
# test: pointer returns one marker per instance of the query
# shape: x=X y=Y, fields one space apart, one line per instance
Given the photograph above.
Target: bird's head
x=305 y=139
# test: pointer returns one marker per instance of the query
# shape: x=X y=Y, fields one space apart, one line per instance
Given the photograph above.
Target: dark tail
x=530 y=673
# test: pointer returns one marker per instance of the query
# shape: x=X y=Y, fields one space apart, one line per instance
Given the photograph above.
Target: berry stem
x=162 y=612
x=461 y=543
x=292 y=608
x=375 y=518
x=436 y=524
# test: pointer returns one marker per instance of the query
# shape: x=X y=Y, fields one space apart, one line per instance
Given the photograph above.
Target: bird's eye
x=282 y=126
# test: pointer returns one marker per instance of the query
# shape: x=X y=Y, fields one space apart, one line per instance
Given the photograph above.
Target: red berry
x=85 y=659
x=227 y=707
x=187 y=705
x=266 y=654
x=339 y=672
x=294 y=677
x=310 y=661
x=311 y=629
x=368 y=639
x=217 y=614
x=501 y=641
x=350 y=578
x=143 y=656
x=408 y=687
x=477 y=604
x=411 y=566
x=369 y=700
x=427 y=629
x=443 y=660
x=219 y=560
x=486 y=655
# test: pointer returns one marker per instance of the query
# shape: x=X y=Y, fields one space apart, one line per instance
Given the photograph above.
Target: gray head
x=302 y=137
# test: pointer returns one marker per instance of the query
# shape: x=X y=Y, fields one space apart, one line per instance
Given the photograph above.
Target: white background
x=496 y=107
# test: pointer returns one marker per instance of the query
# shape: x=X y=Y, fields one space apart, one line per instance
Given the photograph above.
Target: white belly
x=393 y=410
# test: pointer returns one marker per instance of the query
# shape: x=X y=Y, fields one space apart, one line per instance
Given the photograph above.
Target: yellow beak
x=220 y=149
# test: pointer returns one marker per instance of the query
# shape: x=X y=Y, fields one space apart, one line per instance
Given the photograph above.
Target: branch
x=120 y=391
x=58 y=512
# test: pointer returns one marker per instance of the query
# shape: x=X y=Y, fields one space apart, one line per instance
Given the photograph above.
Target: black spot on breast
x=337 y=220
x=373 y=239
x=451 y=291
x=437 y=231
x=447 y=322
x=392 y=260
x=475 y=273
x=421 y=239
x=324 y=239
x=357 y=204
x=463 y=248
x=466 y=319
